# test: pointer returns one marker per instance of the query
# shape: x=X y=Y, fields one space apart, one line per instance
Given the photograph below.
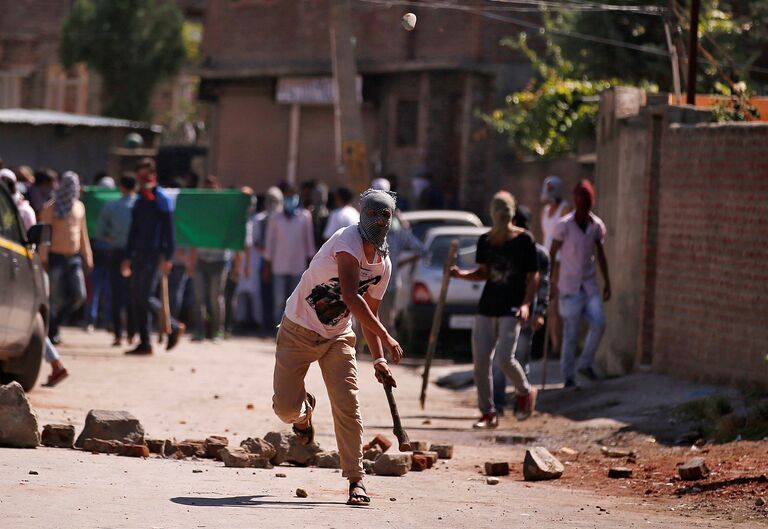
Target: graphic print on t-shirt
x=325 y=299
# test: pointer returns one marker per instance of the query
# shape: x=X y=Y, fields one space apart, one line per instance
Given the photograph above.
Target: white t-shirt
x=316 y=303
x=341 y=218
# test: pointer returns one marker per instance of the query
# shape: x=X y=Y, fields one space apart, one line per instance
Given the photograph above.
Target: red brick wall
x=711 y=295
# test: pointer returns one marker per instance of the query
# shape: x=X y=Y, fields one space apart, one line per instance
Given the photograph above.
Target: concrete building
x=266 y=73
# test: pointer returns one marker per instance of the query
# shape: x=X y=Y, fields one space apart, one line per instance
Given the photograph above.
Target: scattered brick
x=58 y=435
x=617 y=453
x=419 y=446
x=380 y=441
x=443 y=451
x=492 y=481
x=135 y=451
x=695 y=468
x=620 y=472
x=419 y=462
x=101 y=446
x=156 y=446
x=496 y=468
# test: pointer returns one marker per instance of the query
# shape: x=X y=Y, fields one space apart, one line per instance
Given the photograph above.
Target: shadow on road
x=252 y=501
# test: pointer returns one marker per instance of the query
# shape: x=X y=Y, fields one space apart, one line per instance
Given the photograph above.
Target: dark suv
x=23 y=296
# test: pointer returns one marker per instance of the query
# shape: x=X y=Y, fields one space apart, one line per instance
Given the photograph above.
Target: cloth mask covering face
x=66 y=194
x=552 y=190
x=374 y=228
x=290 y=205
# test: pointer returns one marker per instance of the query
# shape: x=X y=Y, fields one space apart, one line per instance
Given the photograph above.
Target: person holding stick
x=507 y=261
x=347 y=277
x=149 y=252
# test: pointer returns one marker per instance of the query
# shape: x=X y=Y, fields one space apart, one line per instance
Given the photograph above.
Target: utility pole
x=693 y=50
x=668 y=21
x=350 y=139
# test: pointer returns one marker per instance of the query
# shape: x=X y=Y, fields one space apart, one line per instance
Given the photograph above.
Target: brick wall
x=711 y=293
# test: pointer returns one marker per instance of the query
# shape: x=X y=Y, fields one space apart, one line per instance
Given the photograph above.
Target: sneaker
x=141 y=349
x=56 y=377
x=176 y=334
x=487 y=421
x=589 y=373
x=117 y=342
x=90 y=329
x=526 y=404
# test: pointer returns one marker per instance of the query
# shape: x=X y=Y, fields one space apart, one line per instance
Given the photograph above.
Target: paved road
x=203 y=389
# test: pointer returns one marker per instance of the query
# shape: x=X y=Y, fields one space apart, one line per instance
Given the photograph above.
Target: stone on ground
x=102 y=446
x=302 y=455
x=695 y=468
x=380 y=441
x=156 y=446
x=419 y=462
x=492 y=480
x=301 y=493
x=431 y=457
x=214 y=444
x=419 y=446
x=328 y=459
x=198 y=444
x=58 y=435
x=540 y=464
x=392 y=465
x=496 y=468
x=280 y=441
x=18 y=426
x=372 y=453
x=368 y=466
x=617 y=453
x=259 y=447
x=135 y=451
x=111 y=425
x=237 y=457
x=443 y=451
x=619 y=472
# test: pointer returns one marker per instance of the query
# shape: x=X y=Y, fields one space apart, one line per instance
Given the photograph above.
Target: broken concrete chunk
x=328 y=459
x=380 y=441
x=372 y=453
x=540 y=464
x=419 y=446
x=280 y=441
x=301 y=455
x=18 y=423
x=496 y=468
x=155 y=446
x=185 y=449
x=237 y=457
x=431 y=457
x=199 y=444
x=213 y=445
x=695 y=468
x=259 y=447
x=419 y=463
x=392 y=465
x=135 y=451
x=620 y=472
x=301 y=493
x=368 y=466
x=111 y=425
x=617 y=453
x=101 y=446
x=492 y=481
x=58 y=435
x=443 y=451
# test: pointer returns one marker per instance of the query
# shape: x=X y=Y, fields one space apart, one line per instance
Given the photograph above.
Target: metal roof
x=26 y=116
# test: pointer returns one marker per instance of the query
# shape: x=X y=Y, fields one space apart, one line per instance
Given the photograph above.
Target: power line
x=586 y=6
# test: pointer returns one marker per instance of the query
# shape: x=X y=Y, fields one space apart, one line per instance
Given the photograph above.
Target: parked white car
x=416 y=299
x=424 y=220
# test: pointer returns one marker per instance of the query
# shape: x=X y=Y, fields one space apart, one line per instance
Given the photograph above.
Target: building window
x=407 y=132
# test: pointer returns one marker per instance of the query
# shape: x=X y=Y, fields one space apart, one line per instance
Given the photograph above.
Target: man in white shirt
x=290 y=244
x=343 y=216
x=348 y=277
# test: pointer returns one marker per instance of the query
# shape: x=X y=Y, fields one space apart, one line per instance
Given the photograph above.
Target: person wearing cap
x=578 y=238
x=347 y=277
x=555 y=208
x=69 y=256
x=522 y=219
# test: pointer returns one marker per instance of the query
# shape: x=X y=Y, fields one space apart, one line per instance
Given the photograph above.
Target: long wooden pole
x=693 y=50
x=437 y=319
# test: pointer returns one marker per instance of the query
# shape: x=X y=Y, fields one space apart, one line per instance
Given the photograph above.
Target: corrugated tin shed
x=49 y=117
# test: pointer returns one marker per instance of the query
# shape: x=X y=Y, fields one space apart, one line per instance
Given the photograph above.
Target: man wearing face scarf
x=69 y=253
x=507 y=261
x=348 y=277
x=577 y=239
x=290 y=245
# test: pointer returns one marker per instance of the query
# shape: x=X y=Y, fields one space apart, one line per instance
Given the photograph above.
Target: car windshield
x=438 y=251
x=420 y=228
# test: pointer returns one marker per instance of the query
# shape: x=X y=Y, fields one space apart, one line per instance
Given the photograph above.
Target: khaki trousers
x=297 y=348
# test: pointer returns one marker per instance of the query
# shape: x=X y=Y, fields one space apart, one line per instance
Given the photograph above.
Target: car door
x=19 y=285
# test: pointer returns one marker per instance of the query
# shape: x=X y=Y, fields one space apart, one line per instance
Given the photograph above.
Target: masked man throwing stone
x=347 y=277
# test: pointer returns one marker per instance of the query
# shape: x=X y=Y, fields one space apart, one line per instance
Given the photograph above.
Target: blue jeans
x=145 y=280
x=100 y=294
x=282 y=288
x=51 y=354
x=209 y=280
x=67 y=288
x=572 y=308
x=121 y=302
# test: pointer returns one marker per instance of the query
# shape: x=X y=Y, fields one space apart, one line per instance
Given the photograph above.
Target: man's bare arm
x=349 y=279
x=383 y=372
x=603 y=262
x=478 y=274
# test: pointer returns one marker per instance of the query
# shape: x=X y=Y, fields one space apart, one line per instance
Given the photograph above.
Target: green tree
x=555 y=110
x=132 y=44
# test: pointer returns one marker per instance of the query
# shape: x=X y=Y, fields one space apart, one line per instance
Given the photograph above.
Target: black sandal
x=307 y=434
x=356 y=498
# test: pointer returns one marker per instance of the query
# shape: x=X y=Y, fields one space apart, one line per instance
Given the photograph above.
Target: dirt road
x=202 y=389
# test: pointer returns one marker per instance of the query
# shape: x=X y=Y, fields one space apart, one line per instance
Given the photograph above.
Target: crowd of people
x=215 y=291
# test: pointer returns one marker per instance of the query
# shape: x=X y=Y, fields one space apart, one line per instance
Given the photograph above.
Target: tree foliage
x=132 y=44
x=554 y=111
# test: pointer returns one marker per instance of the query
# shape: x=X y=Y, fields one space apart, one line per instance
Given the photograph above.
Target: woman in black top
x=506 y=258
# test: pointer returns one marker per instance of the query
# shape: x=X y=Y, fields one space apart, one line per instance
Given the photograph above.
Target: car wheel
x=26 y=368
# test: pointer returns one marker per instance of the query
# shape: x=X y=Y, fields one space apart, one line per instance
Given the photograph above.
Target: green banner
x=204 y=218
